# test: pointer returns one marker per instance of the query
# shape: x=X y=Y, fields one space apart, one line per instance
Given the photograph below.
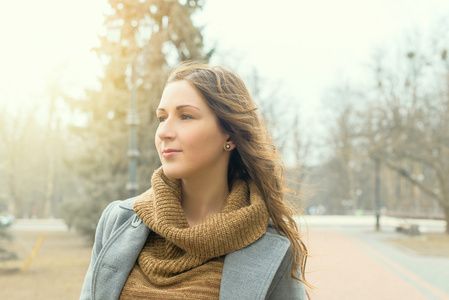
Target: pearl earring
x=227 y=146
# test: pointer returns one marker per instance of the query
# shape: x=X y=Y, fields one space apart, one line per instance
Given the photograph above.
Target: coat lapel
x=118 y=256
x=248 y=273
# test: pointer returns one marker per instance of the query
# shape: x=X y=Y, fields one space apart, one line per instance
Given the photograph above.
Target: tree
x=408 y=130
x=339 y=174
x=32 y=175
x=20 y=145
x=143 y=40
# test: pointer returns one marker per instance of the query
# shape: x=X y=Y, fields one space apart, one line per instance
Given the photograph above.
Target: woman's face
x=189 y=140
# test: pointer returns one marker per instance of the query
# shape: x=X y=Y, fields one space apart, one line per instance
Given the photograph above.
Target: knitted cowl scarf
x=242 y=221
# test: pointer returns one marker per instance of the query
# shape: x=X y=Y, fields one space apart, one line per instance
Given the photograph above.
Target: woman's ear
x=229 y=145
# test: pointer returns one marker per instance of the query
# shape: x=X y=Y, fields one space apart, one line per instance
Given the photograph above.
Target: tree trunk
x=50 y=158
x=49 y=187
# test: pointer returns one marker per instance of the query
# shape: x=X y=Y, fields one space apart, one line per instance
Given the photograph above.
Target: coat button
x=136 y=221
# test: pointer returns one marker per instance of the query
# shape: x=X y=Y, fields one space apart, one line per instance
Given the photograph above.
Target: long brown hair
x=255 y=156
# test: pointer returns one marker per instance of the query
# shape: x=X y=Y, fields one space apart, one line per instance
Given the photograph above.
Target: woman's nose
x=166 y=130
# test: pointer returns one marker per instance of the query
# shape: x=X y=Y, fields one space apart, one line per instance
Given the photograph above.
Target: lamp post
x=377 y=192
x=134 y=72
x=132 y=122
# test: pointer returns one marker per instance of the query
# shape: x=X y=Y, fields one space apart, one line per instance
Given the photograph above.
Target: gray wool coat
x=258 y=271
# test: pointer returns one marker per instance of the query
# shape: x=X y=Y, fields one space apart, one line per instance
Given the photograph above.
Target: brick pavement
x=342 y=267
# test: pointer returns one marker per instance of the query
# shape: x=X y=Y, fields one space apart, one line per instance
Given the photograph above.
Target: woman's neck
x=203 y=197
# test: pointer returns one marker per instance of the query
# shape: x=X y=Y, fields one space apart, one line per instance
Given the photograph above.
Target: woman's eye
x=186 y=117
x=161 y=119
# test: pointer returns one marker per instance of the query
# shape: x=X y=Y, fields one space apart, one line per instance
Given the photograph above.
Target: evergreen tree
x=143 y=40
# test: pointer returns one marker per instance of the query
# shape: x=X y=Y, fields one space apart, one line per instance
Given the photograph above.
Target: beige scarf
x=174 y=247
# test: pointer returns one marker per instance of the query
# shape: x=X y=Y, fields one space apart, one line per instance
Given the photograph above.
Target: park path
x=344 y=264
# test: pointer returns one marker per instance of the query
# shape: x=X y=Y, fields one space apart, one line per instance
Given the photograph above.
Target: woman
x=214 y=224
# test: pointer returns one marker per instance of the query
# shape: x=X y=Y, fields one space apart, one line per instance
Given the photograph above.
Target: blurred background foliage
x=399 y=118
x=86 y=166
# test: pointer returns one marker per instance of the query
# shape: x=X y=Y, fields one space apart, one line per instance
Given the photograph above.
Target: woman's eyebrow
x=186 y=105
x=180 y=107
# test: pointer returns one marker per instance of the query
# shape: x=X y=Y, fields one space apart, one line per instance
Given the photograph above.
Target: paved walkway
x=357 y=263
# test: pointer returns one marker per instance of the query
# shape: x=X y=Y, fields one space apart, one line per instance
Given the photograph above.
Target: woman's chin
x=171 y=173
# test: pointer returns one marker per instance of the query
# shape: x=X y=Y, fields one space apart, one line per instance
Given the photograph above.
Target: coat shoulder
x=120 y=208
x=115 y=215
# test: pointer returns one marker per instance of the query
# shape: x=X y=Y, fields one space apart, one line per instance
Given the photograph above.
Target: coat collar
x=128 y=204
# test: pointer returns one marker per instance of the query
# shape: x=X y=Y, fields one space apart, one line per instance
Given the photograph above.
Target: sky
x=305 y=46
x=311 y=46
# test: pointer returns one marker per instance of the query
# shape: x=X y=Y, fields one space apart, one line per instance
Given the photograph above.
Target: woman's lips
x=170 y=153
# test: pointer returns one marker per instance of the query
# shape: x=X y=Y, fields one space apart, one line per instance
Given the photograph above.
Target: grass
x=57 y=271
x=429 y=243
